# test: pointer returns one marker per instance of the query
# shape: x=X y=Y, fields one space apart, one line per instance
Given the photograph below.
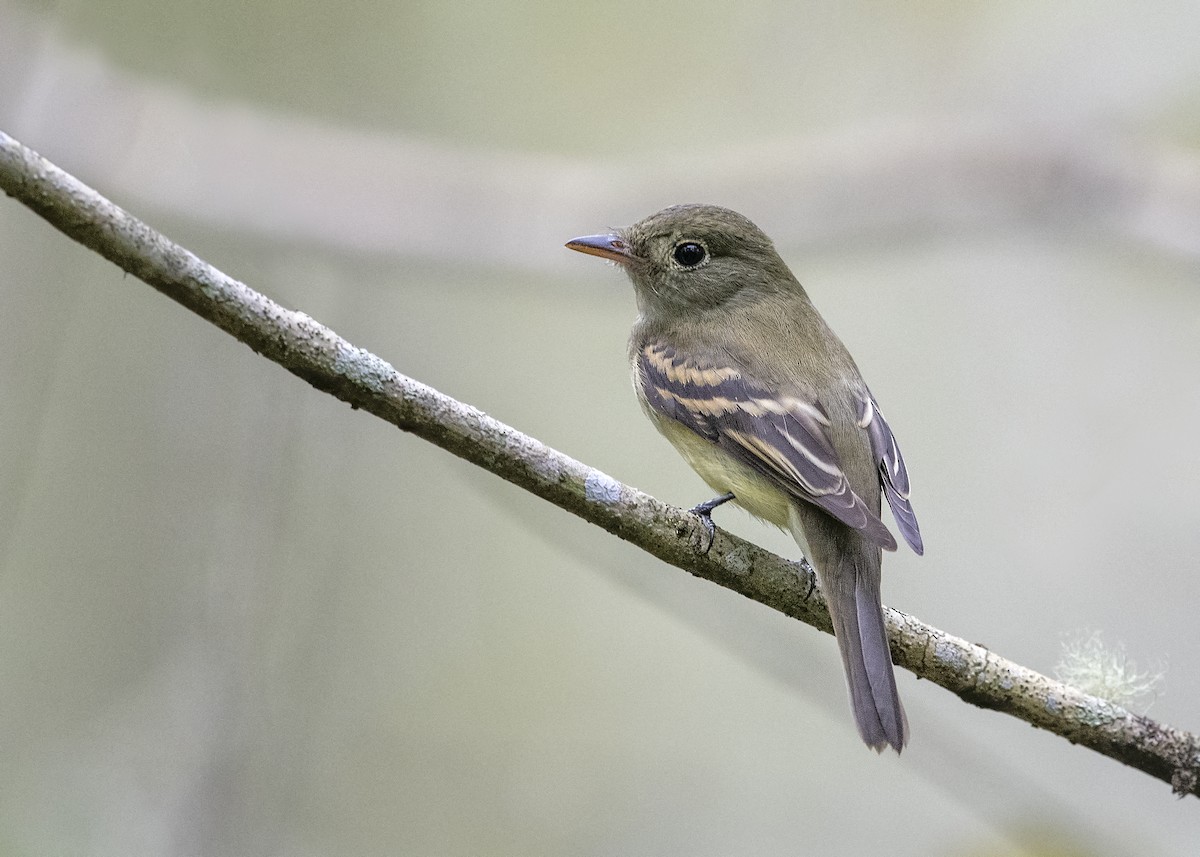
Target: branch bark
x=331 y=364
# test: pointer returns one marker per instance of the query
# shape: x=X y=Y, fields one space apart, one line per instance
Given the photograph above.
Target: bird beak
x=612 y=247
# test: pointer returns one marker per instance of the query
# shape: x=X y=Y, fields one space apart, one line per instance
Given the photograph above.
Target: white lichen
x=1108 y=672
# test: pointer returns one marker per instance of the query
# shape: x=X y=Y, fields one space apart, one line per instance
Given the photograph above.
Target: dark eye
x=690 y=254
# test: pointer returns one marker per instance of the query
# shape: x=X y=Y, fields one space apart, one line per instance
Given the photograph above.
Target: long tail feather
x=852 y=592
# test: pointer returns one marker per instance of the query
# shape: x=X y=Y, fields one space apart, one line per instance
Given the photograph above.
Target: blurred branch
x=331 y=364
x=236 y=168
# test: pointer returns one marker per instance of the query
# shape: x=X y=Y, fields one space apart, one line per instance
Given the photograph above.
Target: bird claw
x=704 y=512
x=812 y=577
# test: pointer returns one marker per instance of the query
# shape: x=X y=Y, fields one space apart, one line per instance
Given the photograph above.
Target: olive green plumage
x=733 y=364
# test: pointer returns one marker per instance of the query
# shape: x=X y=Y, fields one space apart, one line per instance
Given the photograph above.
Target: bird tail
x=852 y=592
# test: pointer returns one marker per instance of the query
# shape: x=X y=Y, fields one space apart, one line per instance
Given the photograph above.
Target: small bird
x=733 y=364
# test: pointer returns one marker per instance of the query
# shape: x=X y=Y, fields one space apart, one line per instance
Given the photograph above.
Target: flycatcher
x=733 y=364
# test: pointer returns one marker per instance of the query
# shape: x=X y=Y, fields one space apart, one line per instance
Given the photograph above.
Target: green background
x=237 y=617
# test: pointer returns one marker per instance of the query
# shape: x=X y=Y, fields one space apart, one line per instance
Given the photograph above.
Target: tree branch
x=329 y=363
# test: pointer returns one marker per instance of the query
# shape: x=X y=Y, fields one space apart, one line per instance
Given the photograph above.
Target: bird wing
x=893 y=475
x=782 y=438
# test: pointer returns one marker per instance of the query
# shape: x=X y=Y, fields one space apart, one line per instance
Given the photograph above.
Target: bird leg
x=704 y=511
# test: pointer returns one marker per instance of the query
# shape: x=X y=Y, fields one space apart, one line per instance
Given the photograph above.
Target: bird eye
x=689 y=254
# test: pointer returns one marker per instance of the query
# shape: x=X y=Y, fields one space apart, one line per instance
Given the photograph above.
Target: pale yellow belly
x=725 y=473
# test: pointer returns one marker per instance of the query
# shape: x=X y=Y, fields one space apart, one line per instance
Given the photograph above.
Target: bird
x=733 y=364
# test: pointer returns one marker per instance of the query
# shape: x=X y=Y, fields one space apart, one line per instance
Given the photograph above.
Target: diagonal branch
x=331 y=364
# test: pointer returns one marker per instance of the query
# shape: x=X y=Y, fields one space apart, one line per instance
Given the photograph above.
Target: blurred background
x=238 y=618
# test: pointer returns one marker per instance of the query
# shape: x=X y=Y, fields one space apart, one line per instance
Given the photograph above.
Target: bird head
x=688 y=259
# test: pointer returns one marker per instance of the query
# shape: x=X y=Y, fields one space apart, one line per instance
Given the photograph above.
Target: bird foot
x=704 y=512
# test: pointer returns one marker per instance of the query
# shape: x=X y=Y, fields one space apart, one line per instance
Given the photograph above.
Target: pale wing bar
x=782 y=439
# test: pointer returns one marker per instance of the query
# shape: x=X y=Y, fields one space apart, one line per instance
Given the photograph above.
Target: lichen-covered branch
x=329 y=363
